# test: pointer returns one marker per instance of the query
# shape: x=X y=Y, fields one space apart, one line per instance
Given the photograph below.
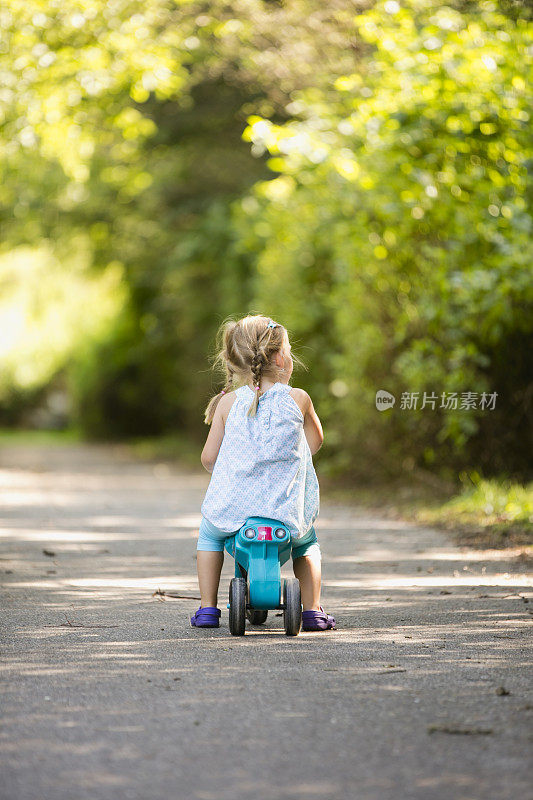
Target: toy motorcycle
x=260 y=548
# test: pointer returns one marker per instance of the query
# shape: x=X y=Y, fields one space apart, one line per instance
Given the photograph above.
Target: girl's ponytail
x=213 y=403
x=222 y=362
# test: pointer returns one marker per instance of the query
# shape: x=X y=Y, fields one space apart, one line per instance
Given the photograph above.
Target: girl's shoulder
x=301 y=398
x=242 y=393
x=225 y=403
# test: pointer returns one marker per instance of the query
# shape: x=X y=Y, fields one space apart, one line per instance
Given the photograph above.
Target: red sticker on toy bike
x=264 y=533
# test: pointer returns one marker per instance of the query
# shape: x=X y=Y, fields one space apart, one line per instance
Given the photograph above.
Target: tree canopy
x=356 y=170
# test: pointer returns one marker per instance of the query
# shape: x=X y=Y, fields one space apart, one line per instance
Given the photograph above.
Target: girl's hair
x=244 y=350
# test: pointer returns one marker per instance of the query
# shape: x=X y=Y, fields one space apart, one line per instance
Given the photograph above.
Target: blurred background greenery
x=356 y=170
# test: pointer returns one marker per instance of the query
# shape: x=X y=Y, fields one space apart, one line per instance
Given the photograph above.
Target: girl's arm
x=312 y=427
x=214 y=439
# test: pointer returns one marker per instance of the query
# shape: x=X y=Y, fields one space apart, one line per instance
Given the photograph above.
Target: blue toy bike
x=260 y=548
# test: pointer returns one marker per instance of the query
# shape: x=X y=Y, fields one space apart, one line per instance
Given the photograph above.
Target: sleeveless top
x=264 y=466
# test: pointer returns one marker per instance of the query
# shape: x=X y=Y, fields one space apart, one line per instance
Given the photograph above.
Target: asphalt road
x=109 y=693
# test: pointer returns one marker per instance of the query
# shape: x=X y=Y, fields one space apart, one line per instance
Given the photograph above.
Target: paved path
x=110 y=694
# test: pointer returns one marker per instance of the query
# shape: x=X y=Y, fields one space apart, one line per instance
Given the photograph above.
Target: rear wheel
x=292 y=611
x=257 y=615
x=237 y=606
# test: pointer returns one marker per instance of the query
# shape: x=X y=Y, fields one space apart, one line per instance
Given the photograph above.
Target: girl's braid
x=229 y=380
x=259 y=360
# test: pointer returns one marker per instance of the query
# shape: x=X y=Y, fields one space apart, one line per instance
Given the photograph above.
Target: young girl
x=259 y=451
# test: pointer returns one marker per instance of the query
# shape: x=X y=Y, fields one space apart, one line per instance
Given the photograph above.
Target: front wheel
x=237 y=606
x=292 y=606
x=257 y=616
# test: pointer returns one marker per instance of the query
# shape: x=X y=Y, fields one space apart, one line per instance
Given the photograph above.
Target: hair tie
x=222 y=391
x=272 y=324
x=257 y=388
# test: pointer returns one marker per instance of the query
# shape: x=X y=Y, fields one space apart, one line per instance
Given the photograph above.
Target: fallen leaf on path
x=78 y=625
x=389 y=671
x=455 y=729
x=163 y=593
x=516 y=595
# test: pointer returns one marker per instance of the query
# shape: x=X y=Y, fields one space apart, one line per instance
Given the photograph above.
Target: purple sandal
x=207 y=617
x=317 y=620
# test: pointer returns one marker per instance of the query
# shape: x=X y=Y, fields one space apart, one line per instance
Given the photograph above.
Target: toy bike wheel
x=292 y=611
x=237 y=606
x=257 y=616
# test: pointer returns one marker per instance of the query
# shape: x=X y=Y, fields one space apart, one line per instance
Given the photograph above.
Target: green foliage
x=360 y=177
x=397 y=236
x=117 y=391
x=488 y=512
x=51 y=304
x=497 y=500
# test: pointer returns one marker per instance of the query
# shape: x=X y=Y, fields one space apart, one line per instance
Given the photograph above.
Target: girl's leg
x=209 y=566
x=308 y=570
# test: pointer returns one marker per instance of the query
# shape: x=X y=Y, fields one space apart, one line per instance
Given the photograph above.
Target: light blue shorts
x=212 y=539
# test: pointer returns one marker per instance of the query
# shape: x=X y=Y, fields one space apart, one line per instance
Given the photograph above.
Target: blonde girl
x=259 y=451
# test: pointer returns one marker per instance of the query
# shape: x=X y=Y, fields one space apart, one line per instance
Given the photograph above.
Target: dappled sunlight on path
x=110 y=690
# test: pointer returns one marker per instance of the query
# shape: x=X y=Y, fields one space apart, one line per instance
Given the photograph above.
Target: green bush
x=396 y=240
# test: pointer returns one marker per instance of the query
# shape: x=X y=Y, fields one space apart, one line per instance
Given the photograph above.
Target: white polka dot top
x=264 y=466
